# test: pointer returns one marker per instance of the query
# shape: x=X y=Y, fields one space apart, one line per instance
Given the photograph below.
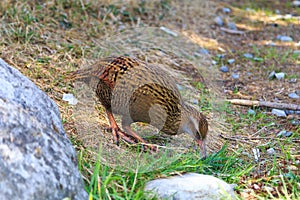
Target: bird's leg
x=131 y=133
x=116 y=131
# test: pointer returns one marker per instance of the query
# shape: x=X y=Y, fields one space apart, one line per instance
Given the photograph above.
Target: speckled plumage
x=142 y=92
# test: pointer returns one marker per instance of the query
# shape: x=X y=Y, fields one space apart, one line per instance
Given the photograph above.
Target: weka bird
x=142 y=92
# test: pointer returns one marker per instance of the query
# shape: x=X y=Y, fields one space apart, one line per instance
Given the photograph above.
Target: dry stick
x=232 y=31
x=244 y=102
x=255 y=138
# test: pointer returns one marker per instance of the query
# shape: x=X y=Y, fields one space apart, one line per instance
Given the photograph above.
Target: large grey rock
x=37 y=161
x=190 y=186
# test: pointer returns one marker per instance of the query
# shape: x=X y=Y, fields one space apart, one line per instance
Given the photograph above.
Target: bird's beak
x=202 y=146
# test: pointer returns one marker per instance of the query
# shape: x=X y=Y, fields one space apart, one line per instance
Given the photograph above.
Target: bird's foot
x=117 y=134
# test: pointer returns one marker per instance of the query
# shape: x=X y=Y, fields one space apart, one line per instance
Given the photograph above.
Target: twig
x=244 y=102
x=233 y=139
x=256 y=138
x=232 y=31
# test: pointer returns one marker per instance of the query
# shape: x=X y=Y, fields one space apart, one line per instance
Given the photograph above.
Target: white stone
x=279 y=113
x=70 y=98
x=190 y=186
x=279 y=75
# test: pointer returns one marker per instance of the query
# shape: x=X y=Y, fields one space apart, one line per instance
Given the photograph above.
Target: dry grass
x=46 y=40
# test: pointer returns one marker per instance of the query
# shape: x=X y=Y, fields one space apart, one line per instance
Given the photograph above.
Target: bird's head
x=195 y=124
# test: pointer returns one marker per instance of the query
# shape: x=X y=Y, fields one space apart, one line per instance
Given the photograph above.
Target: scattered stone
x=221 y=56
x=271 y=151
x=272 y=75
x=224 y=69
x=288 y=134
x=195 y=101
x=294 y=95
x=293 y=80
x=226 y=10
x=297 y=52
x=284 y=133
x=256 y=154
x=279 y=75
x=258 y=59
x=219 y=21
x=250 y=9
x=296 y=3
x=281 y=133
x=179 y=87
x=284 y=38
x=230 y=61
x=279 y=113
x=296 y=122
x=70 y=99
x=168 y=31
x=256 y=187
x=270 y=43
x=231 y=26
x=267 y=188
x=235 y=76
x=248 y=55
x=190 y=186
x=37 y=160
x=251 y=112
x=203 y=51
x=214 y=62
x=289 y=112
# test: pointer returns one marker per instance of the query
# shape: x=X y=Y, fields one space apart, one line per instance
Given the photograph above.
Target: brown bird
x=142 y=92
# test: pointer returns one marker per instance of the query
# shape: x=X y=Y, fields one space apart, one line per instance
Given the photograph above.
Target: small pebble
x=256 y=187
x=284 y=133
x=220 y=56
x=279 y=113
x=294 y=95
x=226 y=10
x=297 y=52
x=271 y=44
x=271 y=151
x=288 y=134
x=70 y=99
x=214 y=62
x=272 y=75
x=293 y=80
x=256 y=154
x=251 y=112
x=284 y=38
x=179 y=87
x=281 y=133
x=203 y=51
x=296 y=3
x=250 y=9
x=230 y=61
x=295 y=122
x=248 y=55
x=297 y=92
x=195 y=101
x=219 y=21
x=289 y=112
x=279 y=75
x=231 y=26
x=258 y=59
x=224 y=69
x=235 y=76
